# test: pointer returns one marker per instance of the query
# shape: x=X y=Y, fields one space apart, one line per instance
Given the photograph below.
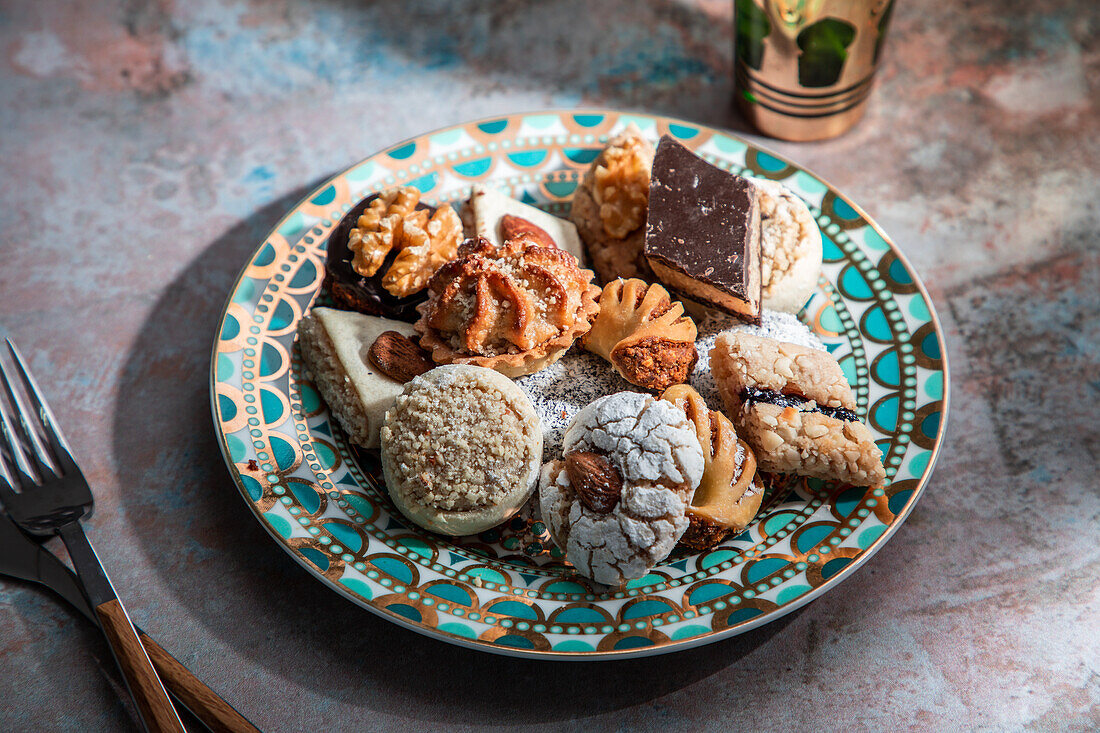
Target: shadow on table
x=199 y=535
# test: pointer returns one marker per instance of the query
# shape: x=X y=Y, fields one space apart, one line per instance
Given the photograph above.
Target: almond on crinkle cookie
x=616 y=504
x=794 y=406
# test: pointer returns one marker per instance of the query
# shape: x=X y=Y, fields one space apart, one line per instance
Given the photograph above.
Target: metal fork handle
x=150 y=697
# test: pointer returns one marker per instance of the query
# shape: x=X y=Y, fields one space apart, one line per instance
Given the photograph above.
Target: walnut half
x=423 y=241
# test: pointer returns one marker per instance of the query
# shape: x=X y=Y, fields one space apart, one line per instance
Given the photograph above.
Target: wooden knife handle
x=205 y=704
x=145 y=687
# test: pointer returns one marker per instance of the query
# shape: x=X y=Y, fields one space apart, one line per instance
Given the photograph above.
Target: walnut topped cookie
x=461 y=449
x=420 y=242
x=616 y=503
x=383 y=252
x=610 y=203
x=515 y=308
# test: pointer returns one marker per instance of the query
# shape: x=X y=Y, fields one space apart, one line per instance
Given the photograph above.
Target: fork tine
x=11 y=439
x=24 y=443
x=58 y=452
x=7 y=480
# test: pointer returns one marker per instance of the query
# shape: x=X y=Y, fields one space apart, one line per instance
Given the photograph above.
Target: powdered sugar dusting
x=774 y=324
x=562 y=389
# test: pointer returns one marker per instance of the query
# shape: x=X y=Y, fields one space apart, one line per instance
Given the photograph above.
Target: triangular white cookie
x=489 y=206
x=334 y=345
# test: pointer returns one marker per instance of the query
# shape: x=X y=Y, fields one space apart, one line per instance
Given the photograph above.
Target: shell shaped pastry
x=515 y=308
x=644 y=334
x=730 y=492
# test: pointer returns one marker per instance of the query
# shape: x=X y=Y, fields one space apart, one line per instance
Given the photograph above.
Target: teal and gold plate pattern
x=508 y=590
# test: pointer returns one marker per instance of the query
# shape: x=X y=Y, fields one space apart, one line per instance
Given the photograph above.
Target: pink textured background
x=146 y=148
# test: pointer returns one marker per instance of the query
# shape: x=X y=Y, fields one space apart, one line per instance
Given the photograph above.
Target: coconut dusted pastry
x=616 y=502
x=795 y=408
x=644 y=334
x=461 y=449
x=515 y=308
x=609 y=207
x=730 y=492
x=790 y=247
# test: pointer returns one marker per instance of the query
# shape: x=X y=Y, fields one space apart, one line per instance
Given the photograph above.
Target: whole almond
x=597 y=483
x=397 y=357
x=513 y=227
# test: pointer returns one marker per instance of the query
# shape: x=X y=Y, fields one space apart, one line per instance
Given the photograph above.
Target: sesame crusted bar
x=795 y=408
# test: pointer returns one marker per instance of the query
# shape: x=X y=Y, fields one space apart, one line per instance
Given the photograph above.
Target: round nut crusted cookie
x=616 y=504
x=790 y=247
x=461 y=449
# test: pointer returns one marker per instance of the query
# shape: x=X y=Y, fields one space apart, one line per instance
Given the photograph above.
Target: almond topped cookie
x=336 y=347
x=498 y=218
x=616 y=502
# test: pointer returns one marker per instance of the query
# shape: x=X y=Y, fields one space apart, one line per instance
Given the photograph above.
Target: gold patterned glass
x=803 y=69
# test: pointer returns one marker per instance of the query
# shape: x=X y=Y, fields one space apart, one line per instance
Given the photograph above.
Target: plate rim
x=595 y=655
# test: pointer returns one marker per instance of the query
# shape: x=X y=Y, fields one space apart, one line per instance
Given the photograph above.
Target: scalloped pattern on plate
x=507 y=590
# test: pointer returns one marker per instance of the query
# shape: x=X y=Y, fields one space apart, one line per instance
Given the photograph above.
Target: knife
x=22 y=557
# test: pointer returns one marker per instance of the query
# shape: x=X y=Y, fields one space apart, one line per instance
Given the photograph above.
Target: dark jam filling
x=750 y=395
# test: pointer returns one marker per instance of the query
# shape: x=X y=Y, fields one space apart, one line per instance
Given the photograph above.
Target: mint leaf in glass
x=824 y=50
x=753 y=27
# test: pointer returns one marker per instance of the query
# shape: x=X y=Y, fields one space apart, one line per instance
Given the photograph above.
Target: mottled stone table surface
x=146 y=148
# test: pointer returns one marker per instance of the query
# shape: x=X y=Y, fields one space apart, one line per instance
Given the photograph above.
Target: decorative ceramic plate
x=508 y=590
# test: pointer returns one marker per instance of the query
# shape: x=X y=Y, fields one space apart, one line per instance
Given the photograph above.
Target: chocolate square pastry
x=702 y=236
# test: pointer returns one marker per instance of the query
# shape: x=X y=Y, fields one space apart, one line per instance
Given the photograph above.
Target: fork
x=44 y=501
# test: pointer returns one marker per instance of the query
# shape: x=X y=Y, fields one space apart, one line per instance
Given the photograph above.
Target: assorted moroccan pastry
x=494 y=374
